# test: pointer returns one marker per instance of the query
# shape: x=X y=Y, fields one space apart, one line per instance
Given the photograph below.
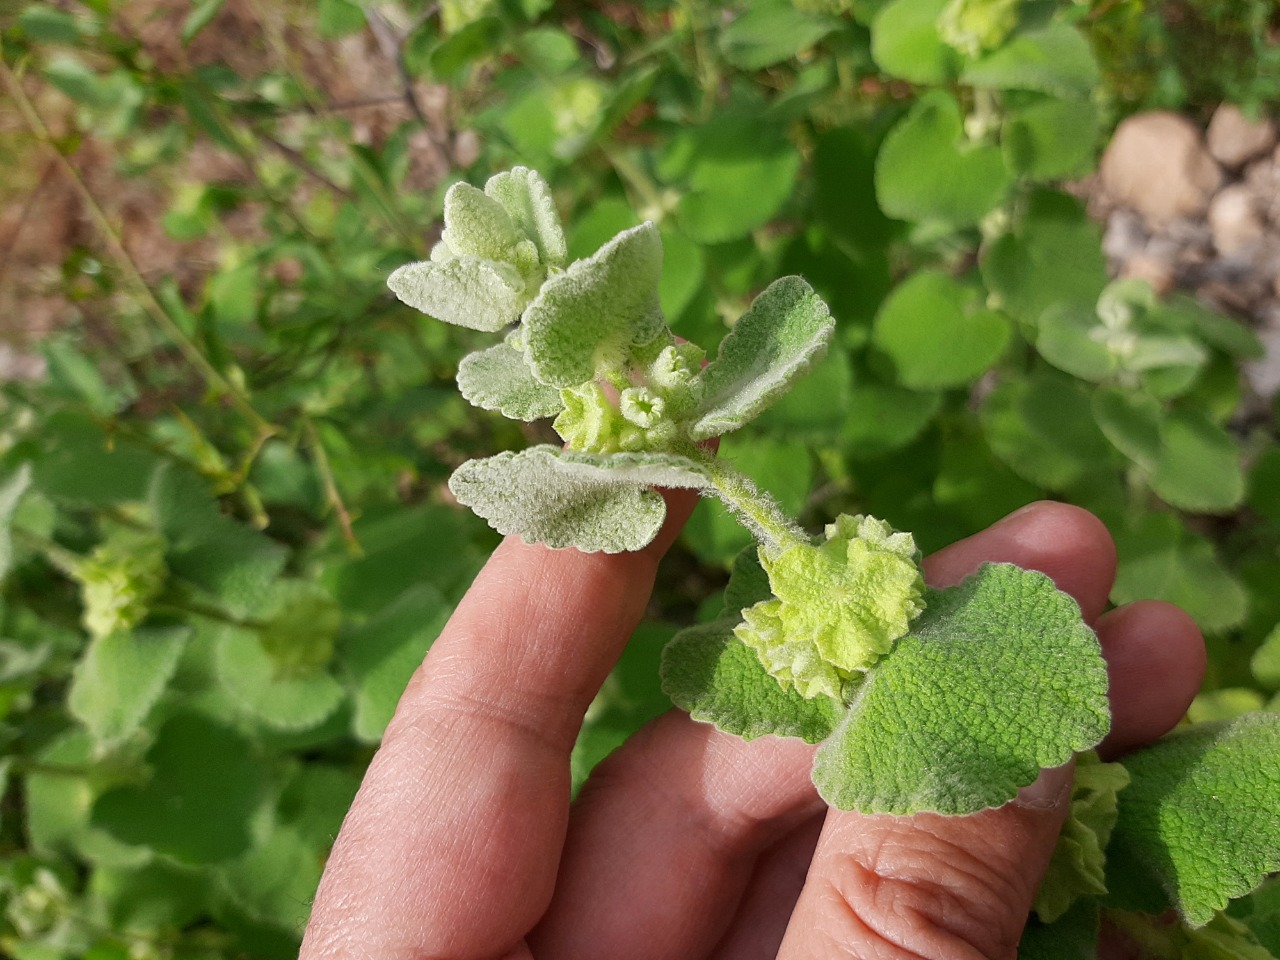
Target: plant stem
x=331 y=492
x=212 y=377
x=758 y=511
x=67 y=561
x=635 y=177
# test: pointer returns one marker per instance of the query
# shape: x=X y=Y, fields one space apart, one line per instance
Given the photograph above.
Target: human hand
x=686 y=842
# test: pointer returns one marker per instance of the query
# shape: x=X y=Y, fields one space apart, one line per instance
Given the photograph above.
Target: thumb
x=928 y=886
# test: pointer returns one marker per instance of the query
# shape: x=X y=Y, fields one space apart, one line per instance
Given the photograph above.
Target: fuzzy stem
x=757 y=511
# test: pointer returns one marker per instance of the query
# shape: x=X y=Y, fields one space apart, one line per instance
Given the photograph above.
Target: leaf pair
x=498 y=245
x=998 y=678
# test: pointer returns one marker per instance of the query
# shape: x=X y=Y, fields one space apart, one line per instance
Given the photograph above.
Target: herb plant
x=944 y=701
x=224 y=529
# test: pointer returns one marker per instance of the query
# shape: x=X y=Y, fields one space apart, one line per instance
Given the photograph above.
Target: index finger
x=452 y=844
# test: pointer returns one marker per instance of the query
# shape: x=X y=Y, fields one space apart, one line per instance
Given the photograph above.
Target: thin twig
x=303 y=164
x=212 y=377
x=331 y=492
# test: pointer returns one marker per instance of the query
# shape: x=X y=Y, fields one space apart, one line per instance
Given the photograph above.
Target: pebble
x=1233 y=139
x=1157 y=164
x=1237 y=226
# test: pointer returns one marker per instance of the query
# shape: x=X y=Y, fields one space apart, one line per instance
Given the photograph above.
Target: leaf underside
x=785 y=331
x=587 y=320
x=467 y=292
x=563 y=499
x=499 y=379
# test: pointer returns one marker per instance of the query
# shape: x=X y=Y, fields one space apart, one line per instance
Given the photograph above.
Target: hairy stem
x=758 y=511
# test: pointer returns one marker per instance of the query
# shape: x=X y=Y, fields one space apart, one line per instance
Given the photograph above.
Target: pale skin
x=688 y=843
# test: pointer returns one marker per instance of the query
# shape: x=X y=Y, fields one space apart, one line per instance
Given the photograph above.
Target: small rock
x=1234 y=139
x=1158 y=165
x=1125 y=235
x=1263 y=178
x=1237 y=226
x=1263 y=374
x=1156 y=271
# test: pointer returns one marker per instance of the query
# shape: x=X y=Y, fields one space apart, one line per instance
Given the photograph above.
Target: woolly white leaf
x=588 y=320
x=527 y=200
x=469 y=292
x=589 y=501
x=499 y=379
x=477 y=225
x=784 y=332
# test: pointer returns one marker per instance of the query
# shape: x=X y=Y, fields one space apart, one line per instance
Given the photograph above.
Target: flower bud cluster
x=837 y=607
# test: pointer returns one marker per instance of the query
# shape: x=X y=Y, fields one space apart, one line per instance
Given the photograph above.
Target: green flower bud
x=837 y=607
x=120 y=578
x=589 y=421
x=641 y=406
x=973 y=26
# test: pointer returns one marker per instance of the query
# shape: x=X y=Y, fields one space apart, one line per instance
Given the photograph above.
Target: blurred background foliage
x=225 y=533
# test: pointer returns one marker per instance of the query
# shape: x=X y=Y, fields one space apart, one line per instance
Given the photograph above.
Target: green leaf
x=838 y=606
x=201 y=15
x=937 y=332
x=589 y=319
x=718 y=679
x=739 y=173
x=527 y=199
x=565 y=499
x=1265 y=663
x=500 y=378
x=1051 y=139
x=1077 y=867
x=338 y=18
x=1073 y=937
x=905 y=42
x=58 y=804
x=205 y=787
x=229 y=560
x=880 y=417
x=786 y=329
x=11 y=491
x=1043 y=428
x=466 y=291
x=1131 y=421
x=1264 y=485
x=449 y=59
x=1161 y=560
x=283 y=699
x=76 y=80
x=1054 y=255
x=477 y=225
x=44 y=23
x=1224 y=703
x=156 y=897
x=275 y=881
x=1199 y=467
x=1200 y=812
x=999 y=678
x=1224 y=938
x=1054 y=59
x=120 y=678
x=771 y=31
x=927 y=171
x=383 y=654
